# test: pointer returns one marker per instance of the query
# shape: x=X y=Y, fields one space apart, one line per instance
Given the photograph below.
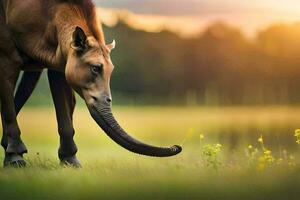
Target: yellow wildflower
x=297 y=133
x=260 y=139
x=291 y=161
x=250 y=147
x=267 y=152
x=201 y=136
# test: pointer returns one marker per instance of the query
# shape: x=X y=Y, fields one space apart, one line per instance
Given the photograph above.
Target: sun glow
x=185 y=26
x=250 y=17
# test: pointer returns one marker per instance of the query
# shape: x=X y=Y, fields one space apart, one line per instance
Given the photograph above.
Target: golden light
x=249 y=16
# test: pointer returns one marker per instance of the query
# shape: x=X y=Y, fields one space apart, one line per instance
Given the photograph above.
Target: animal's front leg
x=64 y=101
x=11 y=140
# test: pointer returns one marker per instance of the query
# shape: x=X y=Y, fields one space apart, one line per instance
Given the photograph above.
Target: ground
x=234 y=171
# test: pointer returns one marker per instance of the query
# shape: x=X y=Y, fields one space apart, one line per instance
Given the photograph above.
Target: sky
x=203 y=7
x=194 y=15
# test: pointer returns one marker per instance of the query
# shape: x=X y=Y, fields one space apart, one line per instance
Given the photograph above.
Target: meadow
x=228 y=153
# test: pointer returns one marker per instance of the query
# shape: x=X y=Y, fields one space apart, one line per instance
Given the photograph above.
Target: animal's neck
x=66 y=19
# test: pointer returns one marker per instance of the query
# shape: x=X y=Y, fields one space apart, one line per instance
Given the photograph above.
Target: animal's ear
x=111 y=46
x=79 y=42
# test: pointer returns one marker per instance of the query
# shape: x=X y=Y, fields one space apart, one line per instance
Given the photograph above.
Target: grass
x=216 y=165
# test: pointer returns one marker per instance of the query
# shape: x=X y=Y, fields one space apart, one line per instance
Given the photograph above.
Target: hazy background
x=249 y=15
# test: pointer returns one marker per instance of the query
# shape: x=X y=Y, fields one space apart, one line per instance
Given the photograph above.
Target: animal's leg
x=64 y=101
x=11 y=140
x=25 y=88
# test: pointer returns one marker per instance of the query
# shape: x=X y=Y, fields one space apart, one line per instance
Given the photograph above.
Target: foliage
x=297 y=135
x=210 y=153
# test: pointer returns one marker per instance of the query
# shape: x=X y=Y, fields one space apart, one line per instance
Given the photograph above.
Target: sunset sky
x=194 y=15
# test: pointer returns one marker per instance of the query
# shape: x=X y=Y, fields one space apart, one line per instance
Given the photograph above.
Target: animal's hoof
x=14 y=160
x=71 y=162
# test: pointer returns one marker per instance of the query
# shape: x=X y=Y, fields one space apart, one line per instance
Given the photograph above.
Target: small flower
x=260 y=139
x=201 y=136
x=297 y=133
x=250 y=147
x=218 y=145
x=291 y=161
x=267 y=152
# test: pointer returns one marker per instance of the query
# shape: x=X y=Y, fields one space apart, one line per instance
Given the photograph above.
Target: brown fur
x=48 y=41
x=87 y=9
x=38 y=34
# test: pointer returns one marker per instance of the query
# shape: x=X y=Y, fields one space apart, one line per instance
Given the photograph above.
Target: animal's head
x=89 y=68
x=88 y=71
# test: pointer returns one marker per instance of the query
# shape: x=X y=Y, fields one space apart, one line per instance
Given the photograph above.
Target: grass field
x=216 y=163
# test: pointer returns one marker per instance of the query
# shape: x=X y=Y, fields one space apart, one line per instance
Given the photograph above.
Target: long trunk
x=106 y=120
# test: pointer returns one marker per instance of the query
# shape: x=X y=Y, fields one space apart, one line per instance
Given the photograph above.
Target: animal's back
x=28 y=22
x=7 y=45
x=32 y=24
x=26 y=16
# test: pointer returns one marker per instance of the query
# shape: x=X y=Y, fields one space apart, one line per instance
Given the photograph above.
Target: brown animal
x=65 y=37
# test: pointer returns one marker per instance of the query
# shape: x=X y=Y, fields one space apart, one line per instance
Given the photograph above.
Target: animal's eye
x=97 y=69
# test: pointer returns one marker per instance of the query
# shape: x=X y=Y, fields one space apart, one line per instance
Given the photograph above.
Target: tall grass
x=229 y=153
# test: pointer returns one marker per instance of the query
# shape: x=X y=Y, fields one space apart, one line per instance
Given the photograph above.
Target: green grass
x=110 y=172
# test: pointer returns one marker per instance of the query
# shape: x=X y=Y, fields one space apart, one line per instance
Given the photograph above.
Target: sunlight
x=185 y=26
x=250 y=16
